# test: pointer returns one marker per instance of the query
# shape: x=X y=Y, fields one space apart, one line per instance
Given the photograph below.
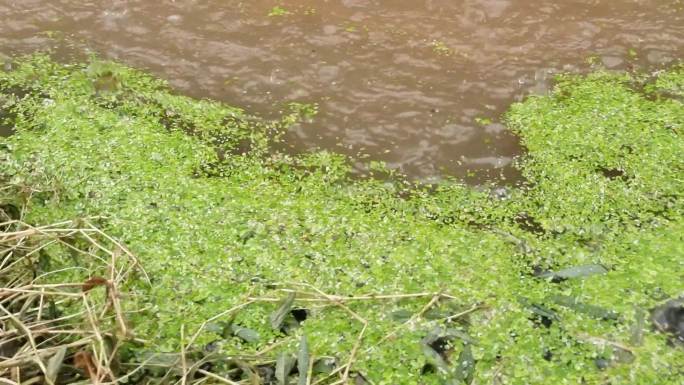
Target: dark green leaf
x=538 y=309
x=434 y=358
x=590 y=310
x=245 y=334
x=465 y=366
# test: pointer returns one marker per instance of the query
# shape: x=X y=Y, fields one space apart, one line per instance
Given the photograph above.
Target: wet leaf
x=284 y=365
x=245 y=334
x=303 y=359
x=465 y=366
x=278 y=317
x=359 y=379
x=434 y=358
x=575 y=272
x=590 y=310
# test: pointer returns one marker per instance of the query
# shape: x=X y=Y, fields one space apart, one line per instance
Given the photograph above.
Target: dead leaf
x=94 y=282
x=83 y=360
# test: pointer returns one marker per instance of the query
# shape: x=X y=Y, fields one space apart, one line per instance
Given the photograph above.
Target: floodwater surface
x=419 y=84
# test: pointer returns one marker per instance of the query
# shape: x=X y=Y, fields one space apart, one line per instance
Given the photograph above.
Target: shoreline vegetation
x=148 y=237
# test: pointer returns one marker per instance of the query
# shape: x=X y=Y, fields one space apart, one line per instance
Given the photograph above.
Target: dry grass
x=62 y=332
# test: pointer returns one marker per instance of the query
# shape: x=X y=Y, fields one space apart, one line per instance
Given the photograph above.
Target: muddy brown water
x=412 y=83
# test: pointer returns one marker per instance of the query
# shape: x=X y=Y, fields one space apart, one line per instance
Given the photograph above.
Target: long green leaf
x=590 y=310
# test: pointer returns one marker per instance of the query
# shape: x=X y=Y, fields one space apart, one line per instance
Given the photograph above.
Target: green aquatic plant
x=278 y=11
x=381 y=281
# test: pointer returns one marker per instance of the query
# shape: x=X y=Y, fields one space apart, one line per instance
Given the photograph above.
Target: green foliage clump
x=548 y=285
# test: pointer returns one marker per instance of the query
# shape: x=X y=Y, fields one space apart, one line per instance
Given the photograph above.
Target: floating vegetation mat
x=262 y=267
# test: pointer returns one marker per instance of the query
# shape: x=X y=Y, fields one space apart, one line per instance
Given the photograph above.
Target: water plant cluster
x=267 y=267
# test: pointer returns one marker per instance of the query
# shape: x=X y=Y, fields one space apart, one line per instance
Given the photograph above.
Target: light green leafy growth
x=278 y=11
x=215 y=215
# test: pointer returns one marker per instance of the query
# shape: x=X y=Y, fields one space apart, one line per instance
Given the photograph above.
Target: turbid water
x=419 y=84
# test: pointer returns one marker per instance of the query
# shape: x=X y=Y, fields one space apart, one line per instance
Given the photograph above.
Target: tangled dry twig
x=61 y=312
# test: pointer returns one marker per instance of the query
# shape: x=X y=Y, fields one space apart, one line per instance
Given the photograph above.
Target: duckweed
x=216 y=216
